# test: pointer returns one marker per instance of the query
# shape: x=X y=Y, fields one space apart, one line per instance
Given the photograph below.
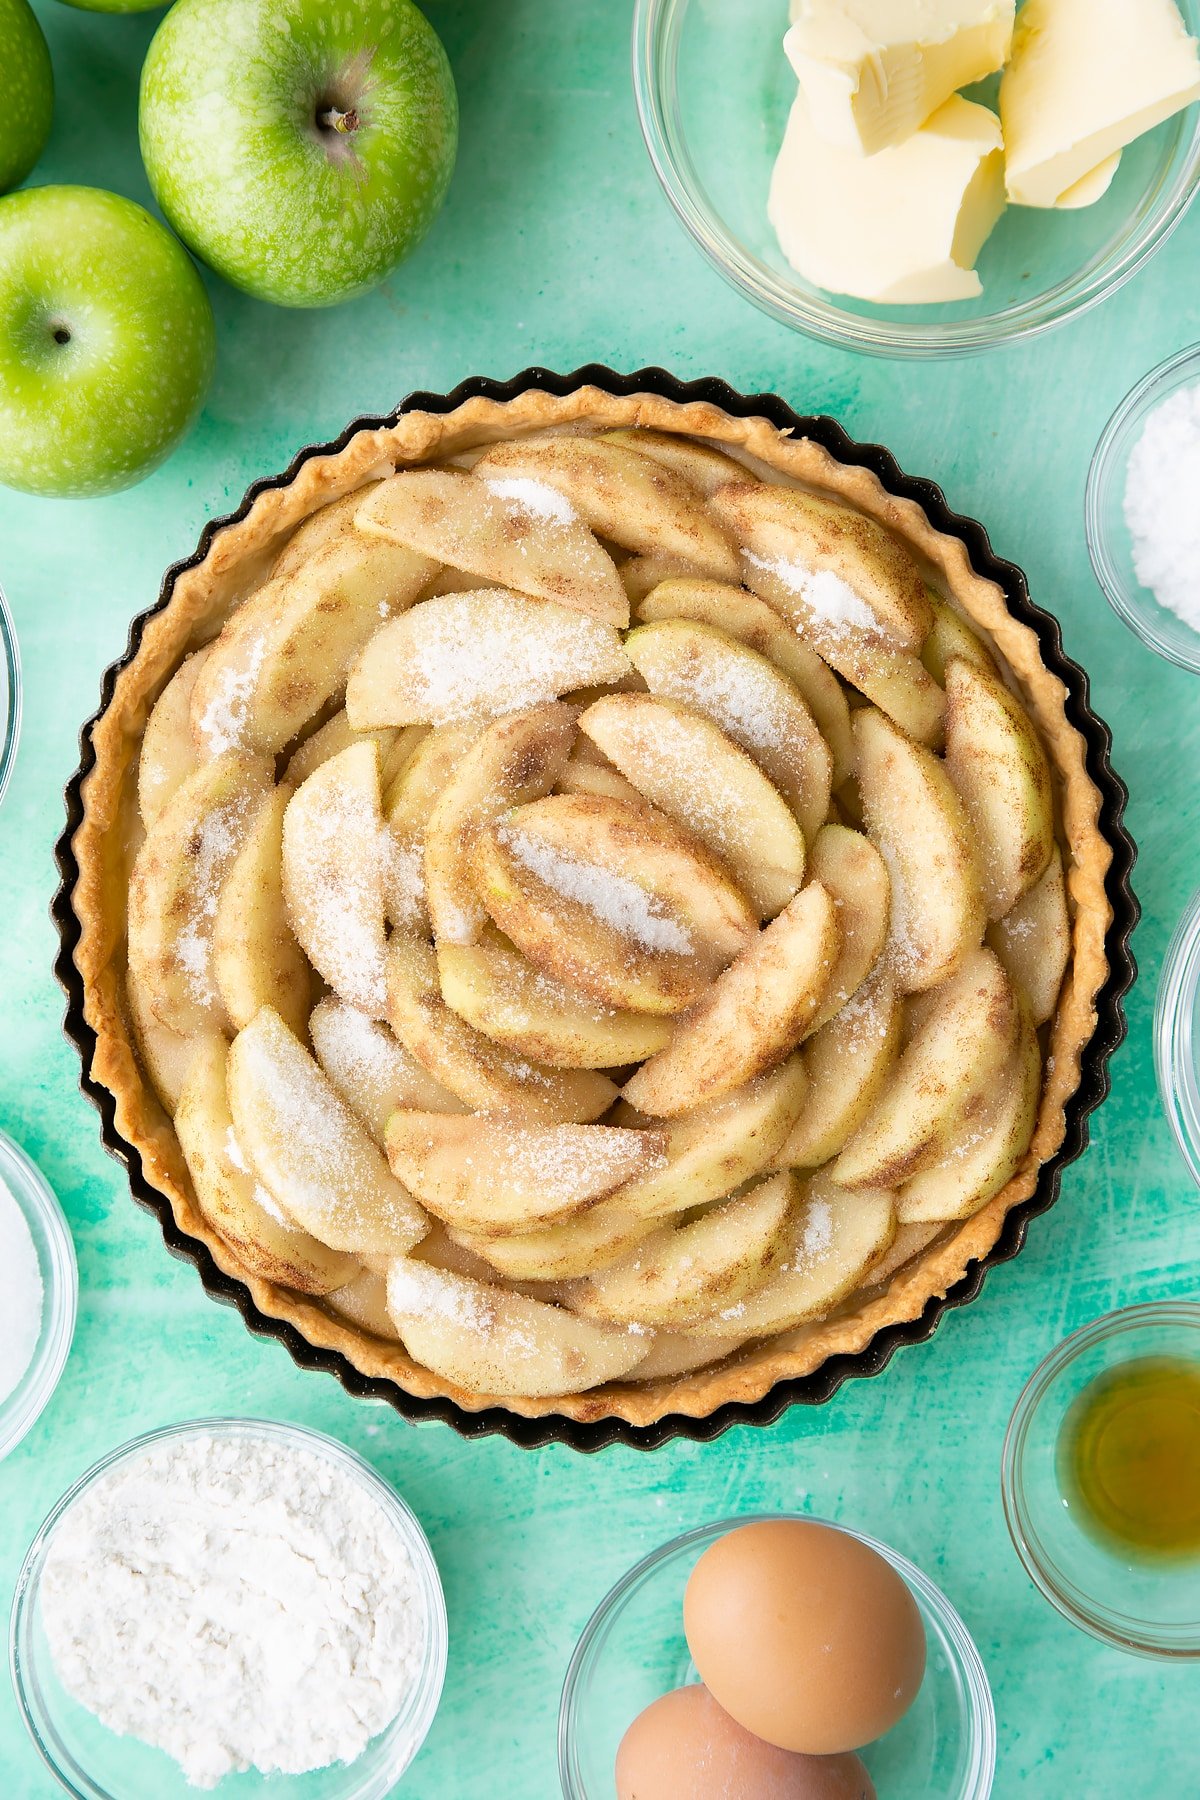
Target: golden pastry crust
x=198 y=604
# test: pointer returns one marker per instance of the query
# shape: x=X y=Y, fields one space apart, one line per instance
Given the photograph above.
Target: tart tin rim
x=1094 y=1084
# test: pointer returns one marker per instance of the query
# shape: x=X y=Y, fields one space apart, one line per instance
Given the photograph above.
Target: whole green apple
x=26 y=92
x=107 y=341
x=301 y=147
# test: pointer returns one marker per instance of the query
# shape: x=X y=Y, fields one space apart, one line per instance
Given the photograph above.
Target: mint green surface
x=556 y=247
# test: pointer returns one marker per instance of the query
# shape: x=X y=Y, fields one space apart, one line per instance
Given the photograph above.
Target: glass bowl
x=1109 y=542
x=633 y=1649
x=10 y=694
x=1177 y=1036
x=713 y=91
x=93 y=1763
x=1149 y=1607
x=60 y=1285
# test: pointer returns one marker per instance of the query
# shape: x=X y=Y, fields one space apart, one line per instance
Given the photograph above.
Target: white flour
x=1161 y=507
x=239 y=1603
x=21 y=1294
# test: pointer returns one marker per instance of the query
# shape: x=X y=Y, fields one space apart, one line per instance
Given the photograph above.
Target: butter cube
x=901 y=228
x=1086 y=78
x=873 y=71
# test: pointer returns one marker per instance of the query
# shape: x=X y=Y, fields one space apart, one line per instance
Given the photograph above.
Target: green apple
x=300 y=147
x=26 y=92
x=107 y=341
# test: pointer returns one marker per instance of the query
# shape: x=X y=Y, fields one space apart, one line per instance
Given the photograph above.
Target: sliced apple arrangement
x=597 y=910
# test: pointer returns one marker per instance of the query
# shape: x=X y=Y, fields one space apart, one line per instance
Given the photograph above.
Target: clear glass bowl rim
x=10 y=674
x=1174 y=1053
x=1126 y=602
x=1179 y=1643
x=425 y=1694
x=22 y=1408
x=655 y=94
x=981 y=1712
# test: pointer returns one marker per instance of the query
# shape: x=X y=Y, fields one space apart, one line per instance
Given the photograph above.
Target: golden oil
x=1129 y=1456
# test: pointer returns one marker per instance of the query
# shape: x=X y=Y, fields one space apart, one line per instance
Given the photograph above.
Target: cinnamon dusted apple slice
x=535 y=543
x=676 y=1353
x=256 y=959
x=987 y=1157
x=712 y=673
x=917 y=822
x=944 y=1081
x=308 y=1149
x=848 y=1061
x=287 y=649
x=587 y=772
x=997 y=763
x=494 y=1176
x=751 y=1016
x=330 y=739
x=516 y=759
x=371 y=1069
x=333 y=875
x=363 y=1302
x=563 y=1252
x=166 y=1056
x=464 y=656
x=487 y=1340
x=834 y=1235
x=176 y=884
x=471 y=1066
x=950 y=635
x=750 y=620
x=611 y=899
x=236 y=1205
x=519 y=1006
x=719 y=1147
x=626 y=497
x=908 y=1242
x=1033 y=941
x=705 y=468
x=854 y=875
x=408 y=805
x=686 y=765
x=640 y=575
x=685 y=1272
x=169 y=752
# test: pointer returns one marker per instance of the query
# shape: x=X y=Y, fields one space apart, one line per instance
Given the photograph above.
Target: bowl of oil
x=1101 y=1479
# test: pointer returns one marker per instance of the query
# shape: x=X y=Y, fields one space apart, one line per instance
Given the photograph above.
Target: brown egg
x=808 y=1638
x=684 y=1747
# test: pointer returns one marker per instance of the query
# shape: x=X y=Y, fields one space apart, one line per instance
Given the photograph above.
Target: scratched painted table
x=556 y=247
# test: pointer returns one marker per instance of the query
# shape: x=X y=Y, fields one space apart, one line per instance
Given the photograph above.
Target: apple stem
x=332 y=118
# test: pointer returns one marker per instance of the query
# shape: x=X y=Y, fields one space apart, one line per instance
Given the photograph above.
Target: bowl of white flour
x=39 y=1288
x=229 y=1606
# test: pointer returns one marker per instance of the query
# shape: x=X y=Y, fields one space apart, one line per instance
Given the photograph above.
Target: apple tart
x=589 y=905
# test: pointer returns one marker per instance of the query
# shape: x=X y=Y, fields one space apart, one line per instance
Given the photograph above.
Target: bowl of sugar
x=1141 y=516
x=39 y=1288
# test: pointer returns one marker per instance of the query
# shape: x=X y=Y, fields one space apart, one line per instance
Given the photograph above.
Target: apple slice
x=996 y=761
x=308 y=1149
x=834 y=1236
x=479 y=1072
x=463 y=656
x=496 y=990
x=175 y=887
x=855 y=877
x=676 y=1353
x=169 y=752
x=493 y=1176
x=626 y=497
x=487 y=1340
x=950 y=635
x=235 y=1204
x=446 y=1250
x=751 y=1017
x=705 y=669
x=1033 y=941
x=640 y=575
x=333 y=875
x=544 y=551
x=750 y=620
x=516 y=759
x=287 y=649
x=908 y=1242
x=256 y=959
x=685 y=1272
x=917 y=822
x=408 y=806
x=977 y=1167
x=165 y=1055
x=330 y=739
x=612 y=900
x=848 y=1061
x=686 y=765
x=563 y=1252
x=594 y=774
x=719 y=1147
x=944 y=1081
x=705 y=468
x=363 y=1303
x=371 y=1069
